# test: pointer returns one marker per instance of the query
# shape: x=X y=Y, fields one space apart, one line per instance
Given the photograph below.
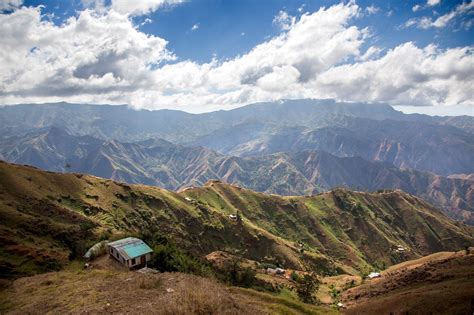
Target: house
x=233 y=217
x=275 y=271
x=374 y=275
x=131 y=252
x=280 y=271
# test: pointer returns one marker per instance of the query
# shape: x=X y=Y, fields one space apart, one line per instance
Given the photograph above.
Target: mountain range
x=290 y=147
x=161 y=163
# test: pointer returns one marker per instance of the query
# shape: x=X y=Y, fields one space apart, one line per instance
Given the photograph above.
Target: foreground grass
x=282 y=304
x=100 y=291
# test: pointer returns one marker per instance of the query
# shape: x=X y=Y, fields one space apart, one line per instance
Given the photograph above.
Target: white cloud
x=372 y=10
x=97 y=5
x=416 y=7
x=195 y=27
x=129 y=7
x=432 y=3
x=443 y=20
x=6 y=5
x=104 y=58
x=146 y=21
x=371 y=53
x=90 y=54
x=284 y=20
x=406 y=75
x=140 y=7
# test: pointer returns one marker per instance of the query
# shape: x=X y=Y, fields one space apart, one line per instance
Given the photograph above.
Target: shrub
x=306 y=288
x=233 y=273
x=295 y=276
x=168 y=257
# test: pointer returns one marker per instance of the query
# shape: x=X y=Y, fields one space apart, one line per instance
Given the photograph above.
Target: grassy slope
x=441 y=283
x=45 y=217
x=105 y=291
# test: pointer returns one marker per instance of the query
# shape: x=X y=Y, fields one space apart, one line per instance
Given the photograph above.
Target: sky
x=205 y=55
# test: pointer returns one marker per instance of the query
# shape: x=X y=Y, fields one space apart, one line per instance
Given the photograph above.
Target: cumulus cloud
x=89 y=54
x=406 y=75
x=7 y=5
x=443 y=20
x=371 y=53
x=129 y=7
x=104 y=58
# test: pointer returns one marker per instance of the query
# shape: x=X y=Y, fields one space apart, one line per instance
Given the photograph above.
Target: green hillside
x=47 y=219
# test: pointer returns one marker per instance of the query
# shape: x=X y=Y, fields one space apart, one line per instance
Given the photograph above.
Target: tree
x=306 y=287
x=239 y=216
x=238 y=275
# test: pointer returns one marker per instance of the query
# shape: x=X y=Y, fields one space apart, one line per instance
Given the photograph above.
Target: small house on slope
x=131 y=252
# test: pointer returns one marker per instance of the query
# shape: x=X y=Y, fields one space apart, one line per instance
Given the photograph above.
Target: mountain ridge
x=159 y=162
x=49 y=218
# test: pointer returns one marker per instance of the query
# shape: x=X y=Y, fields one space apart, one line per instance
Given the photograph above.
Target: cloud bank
x=100 y=56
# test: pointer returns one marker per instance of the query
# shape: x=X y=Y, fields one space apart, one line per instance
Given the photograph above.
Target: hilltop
x=48 y=218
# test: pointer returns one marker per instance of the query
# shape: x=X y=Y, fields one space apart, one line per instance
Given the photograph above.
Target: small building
x=131 y=252
x=275 y=271
x=280 y=271
x=374 y=275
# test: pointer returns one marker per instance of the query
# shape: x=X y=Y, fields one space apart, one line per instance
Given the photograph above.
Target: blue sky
x=227 y=28
x=202 y=55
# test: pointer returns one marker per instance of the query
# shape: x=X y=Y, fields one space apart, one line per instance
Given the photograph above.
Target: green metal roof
x=136 y=249
x=131 y=247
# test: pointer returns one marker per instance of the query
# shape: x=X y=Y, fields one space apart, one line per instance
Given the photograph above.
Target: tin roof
x=131 y=247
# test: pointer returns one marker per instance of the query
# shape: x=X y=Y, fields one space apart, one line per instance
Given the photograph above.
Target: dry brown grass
x=429 y=286
x=103 y=291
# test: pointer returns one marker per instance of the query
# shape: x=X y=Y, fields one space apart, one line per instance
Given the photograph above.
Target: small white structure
x=276 y=271
x=131 y=252
x=233 y=217
x=188 y=199
x=340 y=305
x=280 y=271
x=400 y=248
x=374 y=275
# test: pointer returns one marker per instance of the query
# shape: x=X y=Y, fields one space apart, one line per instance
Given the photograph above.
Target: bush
x=237 y=275
x=295 y=276
x=167 y=257
x=306 y=288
